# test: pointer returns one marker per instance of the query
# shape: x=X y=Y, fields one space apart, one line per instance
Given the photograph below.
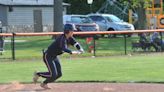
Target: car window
x=97 y=18
x=113 y=18
x=108 y=18
x=79 y=19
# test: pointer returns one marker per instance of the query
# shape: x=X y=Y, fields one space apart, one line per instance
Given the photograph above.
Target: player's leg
x=59 y=70
x=48 y=61
x=56 y=71
x=56 y=74
x=53 y=73
x=36 y=74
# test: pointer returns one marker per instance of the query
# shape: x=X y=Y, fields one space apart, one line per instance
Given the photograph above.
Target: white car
x=109 y=22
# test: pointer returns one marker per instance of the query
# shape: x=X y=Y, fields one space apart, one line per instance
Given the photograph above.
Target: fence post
x=125 y=47
x=1 y=40
x=161 y=39
x=13 y=45
x=94 y=46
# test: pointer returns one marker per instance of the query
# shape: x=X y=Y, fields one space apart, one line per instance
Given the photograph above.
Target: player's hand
x=76 y=52
x=81 y=50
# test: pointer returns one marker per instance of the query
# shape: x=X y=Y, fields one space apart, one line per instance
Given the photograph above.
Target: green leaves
x=81 y=6
x=137 y=3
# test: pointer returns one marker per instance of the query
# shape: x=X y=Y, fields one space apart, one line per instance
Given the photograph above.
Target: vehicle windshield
x=112 y=18
x=79 y=19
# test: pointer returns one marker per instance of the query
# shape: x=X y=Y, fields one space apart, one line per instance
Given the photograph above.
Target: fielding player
x=50 y=56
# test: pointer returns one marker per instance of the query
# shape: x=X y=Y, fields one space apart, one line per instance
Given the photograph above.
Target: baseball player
x=51 y=60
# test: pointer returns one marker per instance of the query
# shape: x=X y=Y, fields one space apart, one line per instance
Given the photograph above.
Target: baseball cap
x=68 y=28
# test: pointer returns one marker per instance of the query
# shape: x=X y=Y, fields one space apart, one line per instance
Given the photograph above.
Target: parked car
x=81 y=22
x=109 y=22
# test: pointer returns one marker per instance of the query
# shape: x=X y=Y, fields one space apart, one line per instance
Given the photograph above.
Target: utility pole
x=58 y=16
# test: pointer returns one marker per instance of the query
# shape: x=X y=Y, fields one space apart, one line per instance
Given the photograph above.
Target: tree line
x=81 y=7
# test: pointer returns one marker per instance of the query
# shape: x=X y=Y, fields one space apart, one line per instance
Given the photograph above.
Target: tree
x=81 y=6
x=140 y=7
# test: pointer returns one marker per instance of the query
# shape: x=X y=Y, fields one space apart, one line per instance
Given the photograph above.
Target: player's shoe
x=35 y=77
x=45 y=86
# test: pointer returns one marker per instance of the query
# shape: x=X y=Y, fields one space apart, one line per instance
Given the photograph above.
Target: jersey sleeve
x=74 y=43
x=65 y=47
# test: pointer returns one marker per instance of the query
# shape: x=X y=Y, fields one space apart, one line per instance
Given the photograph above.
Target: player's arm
x=64 y=47
x=74 y=43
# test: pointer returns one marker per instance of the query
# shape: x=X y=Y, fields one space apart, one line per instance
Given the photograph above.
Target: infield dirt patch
x=83 y=87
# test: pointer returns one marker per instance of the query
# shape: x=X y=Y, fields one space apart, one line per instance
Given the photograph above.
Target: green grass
x=138 y=68
x=33 y=46
x=113 y=66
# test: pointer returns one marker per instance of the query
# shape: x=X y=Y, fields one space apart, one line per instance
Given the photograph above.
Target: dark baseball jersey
x=60 y=45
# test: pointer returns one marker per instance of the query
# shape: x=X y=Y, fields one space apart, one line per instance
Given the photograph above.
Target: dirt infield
x=84 y=87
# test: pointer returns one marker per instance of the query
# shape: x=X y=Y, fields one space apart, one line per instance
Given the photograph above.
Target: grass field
x=33 y=46
x=111 y=65
x=138 y=68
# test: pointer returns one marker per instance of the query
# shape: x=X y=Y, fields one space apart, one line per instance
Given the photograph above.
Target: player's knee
x=58 y=76
x=52 y=79
x=55 y=77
